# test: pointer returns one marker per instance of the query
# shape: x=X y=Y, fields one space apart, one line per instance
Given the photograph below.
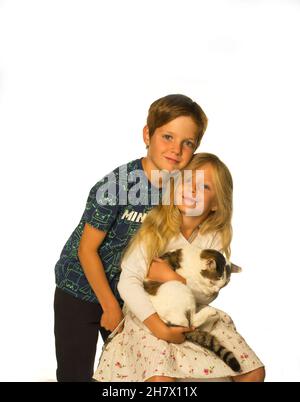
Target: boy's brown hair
x=168 y=108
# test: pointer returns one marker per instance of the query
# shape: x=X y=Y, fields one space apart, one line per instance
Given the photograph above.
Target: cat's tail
x=210 y=342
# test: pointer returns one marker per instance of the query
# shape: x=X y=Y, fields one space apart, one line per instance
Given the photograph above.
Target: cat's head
x=215 y=265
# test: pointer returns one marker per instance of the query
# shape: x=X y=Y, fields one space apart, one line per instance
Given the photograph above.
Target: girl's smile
x=197 y=196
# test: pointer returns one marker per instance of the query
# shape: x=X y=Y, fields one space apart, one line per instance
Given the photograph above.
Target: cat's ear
x=235 y=268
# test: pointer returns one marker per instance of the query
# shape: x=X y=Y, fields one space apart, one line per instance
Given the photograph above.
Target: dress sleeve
x=130 y=286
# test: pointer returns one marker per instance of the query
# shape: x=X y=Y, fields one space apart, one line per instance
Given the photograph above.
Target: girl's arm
x=130 y=287
x=93 y=268
x=162 y=331
x=161 y=271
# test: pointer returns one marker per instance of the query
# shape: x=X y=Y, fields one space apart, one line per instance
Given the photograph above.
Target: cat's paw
x=210 y=323
x=206 y=318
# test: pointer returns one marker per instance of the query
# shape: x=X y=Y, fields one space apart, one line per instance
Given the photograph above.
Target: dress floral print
x=136 y=355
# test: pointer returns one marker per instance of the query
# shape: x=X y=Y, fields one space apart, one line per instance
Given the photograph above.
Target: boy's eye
x=190 y=144
x=167 y=136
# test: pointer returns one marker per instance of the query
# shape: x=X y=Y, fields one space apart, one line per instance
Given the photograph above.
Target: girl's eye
x=205 y=186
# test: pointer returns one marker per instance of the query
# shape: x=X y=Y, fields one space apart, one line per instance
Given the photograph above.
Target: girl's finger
x=188 y=329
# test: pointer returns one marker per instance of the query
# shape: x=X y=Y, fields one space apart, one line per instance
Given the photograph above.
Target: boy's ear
x=146 y=135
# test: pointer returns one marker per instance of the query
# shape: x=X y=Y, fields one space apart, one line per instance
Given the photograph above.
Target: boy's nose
x=176 y=148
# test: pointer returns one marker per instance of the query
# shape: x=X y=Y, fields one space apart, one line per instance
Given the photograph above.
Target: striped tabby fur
x=210 y=342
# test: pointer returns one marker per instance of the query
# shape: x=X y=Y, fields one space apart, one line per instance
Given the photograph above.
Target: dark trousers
x=76 y=328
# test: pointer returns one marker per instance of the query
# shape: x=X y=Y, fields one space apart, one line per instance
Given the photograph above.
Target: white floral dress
x=136 y=354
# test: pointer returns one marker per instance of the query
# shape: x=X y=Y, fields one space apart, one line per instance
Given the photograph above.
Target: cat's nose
x=211 y=262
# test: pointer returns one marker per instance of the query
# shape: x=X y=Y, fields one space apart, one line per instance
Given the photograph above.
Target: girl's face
x=172 y=145
x=196 y=195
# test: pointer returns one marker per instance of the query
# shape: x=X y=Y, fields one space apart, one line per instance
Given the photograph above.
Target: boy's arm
x=94 y=233
x=93 y=268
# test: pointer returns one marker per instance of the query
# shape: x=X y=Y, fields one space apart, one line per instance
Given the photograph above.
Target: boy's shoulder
x=120 y=173
x=135 y=164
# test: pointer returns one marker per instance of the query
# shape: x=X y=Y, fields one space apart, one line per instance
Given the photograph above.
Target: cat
x=206 y=272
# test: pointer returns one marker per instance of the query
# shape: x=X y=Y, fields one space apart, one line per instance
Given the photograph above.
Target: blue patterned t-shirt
x=126 y=185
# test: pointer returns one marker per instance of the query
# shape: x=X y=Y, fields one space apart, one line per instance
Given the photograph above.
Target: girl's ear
x=146 y=136
x=214 y=208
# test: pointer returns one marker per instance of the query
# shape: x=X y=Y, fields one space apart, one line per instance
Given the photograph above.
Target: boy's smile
x=172 y=145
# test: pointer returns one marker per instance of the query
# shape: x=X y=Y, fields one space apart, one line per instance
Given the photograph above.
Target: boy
x=87 y=272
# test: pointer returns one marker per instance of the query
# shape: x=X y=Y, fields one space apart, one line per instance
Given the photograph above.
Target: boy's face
x=172 y=145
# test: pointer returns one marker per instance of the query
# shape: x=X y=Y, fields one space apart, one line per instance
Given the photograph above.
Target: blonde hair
x=163 y=222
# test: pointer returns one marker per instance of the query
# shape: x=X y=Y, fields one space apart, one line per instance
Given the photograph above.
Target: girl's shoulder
x=208 y=240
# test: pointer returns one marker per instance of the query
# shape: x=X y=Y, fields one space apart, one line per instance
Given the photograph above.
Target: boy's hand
x=112 y=317
x=161 y=271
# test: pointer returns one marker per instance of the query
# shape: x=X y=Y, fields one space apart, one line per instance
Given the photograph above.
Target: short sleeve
x=102 y=205
x=130 y=286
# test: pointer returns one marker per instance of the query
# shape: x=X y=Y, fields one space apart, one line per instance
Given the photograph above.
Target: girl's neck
x=190 y=224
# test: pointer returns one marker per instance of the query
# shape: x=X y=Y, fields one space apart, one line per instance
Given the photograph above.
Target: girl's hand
x=161 y=271
x=164 y=332
x=176 y=334
x=112 y=317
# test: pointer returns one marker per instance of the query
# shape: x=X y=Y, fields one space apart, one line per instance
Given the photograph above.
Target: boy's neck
x=148 y=168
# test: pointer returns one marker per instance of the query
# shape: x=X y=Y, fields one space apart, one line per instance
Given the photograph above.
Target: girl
x=147 y=349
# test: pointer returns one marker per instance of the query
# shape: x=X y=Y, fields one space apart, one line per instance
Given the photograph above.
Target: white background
x=77 y=78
